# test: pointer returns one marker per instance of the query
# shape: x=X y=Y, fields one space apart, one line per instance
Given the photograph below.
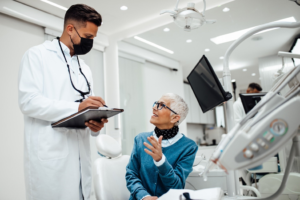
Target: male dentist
x=54 y=83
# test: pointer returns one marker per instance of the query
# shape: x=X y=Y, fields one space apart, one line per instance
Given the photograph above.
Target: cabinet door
x=195 y=108
x=203 y=117
x=211 y=117
x=188 y=102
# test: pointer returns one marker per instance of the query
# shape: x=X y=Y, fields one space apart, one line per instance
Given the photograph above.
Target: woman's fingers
x=153 y=141
x=149 y=152
x=160 y=139
x=149 y=146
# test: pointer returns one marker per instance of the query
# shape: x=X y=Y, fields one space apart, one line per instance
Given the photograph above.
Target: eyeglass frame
x=163 y=106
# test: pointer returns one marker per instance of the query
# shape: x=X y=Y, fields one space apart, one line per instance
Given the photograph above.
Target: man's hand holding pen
x=96 y=102
x=91 y=101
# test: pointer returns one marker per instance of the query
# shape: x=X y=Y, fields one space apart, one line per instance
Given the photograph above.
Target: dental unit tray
x=206 y=86
x=77 y=120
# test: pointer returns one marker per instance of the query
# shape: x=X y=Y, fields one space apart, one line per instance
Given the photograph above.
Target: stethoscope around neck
x=81 y=93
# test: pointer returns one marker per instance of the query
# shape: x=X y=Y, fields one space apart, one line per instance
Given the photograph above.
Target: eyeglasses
x=161 y=106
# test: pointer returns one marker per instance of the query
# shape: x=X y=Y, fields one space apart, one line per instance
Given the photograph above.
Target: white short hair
x=178 y=105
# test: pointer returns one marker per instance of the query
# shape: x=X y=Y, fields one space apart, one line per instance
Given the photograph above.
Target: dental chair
x=110 y=169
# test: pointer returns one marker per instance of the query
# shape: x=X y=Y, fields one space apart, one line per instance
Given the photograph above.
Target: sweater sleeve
x=133 y=181
x=174 y=178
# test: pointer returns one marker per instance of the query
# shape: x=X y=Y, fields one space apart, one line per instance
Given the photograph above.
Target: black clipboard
x=77 y=120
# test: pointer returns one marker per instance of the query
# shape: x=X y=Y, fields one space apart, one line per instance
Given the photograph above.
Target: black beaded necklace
x=166 y=133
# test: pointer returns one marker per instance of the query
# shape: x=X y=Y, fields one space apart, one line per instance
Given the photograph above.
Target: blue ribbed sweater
x=143 y=177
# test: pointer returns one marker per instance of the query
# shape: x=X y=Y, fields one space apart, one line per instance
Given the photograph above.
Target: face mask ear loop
x=71 y=40
x=77 y=32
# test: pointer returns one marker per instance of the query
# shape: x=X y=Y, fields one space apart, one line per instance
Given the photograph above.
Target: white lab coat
x=57 y=161
x=238 y=109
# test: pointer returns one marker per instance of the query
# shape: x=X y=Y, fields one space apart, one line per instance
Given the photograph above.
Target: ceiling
x=243 y=14
x=114 y=19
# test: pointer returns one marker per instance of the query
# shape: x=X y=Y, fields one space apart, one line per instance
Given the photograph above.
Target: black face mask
x=83 y=47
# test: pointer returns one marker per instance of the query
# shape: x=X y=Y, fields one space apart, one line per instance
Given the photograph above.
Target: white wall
x=144 y=82
x=268 y=66
x=158 y=77
x=195 y=131
x=159 y=80
x=134 y=119
x=94 y=59
x=15 y=38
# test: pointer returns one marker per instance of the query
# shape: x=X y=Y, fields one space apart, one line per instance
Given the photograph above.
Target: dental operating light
x=189 y=18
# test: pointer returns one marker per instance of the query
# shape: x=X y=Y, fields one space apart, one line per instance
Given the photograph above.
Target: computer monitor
x=206 y=86
x=250 y=100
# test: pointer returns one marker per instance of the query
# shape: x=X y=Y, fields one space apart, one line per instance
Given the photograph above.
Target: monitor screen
x=206 y=86
x=250 y=100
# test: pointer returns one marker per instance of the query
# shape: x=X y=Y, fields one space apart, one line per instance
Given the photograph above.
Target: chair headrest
x=108 y=146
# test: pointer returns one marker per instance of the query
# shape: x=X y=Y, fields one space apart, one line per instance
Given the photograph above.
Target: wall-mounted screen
x=206 y=86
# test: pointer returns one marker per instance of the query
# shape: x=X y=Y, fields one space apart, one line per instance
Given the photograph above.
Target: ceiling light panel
x=235 y=35
x=124 y=8
x=226 y=9
x=154 y=45
x=54 y=4
x=189 y=41
x=207 y=50
x=166 y=29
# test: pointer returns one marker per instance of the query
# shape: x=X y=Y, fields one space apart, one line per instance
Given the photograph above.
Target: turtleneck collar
x=166 y=133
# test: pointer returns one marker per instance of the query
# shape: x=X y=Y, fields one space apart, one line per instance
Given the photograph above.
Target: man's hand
x=156 y=151
x=91 y=101
x=96 y=126
x=150 y=198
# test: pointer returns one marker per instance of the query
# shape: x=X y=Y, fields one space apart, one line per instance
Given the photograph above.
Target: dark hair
x=255 y=86
x=83 y=13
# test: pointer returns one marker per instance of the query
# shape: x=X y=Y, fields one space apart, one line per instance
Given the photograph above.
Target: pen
x=105 y=106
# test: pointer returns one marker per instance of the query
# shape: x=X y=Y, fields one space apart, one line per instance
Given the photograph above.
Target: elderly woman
x=161 y=159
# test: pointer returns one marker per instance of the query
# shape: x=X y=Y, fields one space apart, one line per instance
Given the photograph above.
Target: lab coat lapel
x=53 y=46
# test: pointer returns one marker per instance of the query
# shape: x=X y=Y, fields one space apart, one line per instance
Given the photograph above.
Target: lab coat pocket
x=53 y=143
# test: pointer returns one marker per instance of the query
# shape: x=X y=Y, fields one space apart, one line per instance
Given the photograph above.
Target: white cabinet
x=188 y=101
x=210 y=117
x=194 y=108
x=195 y=114
x=203 y=116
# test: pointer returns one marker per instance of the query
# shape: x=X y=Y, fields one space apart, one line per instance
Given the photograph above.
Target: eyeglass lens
x=158 y=105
